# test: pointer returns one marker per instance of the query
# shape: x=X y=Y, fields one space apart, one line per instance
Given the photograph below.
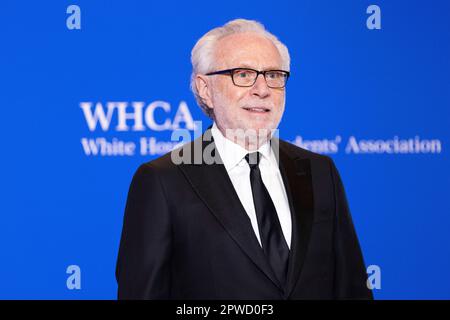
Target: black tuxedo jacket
x=186 y=234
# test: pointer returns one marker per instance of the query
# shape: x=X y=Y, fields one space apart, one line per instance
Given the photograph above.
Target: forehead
x=247 y=50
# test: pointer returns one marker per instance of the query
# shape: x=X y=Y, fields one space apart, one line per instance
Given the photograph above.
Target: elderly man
x=268 y=220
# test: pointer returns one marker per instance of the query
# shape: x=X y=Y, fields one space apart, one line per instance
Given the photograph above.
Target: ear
x=203 y=88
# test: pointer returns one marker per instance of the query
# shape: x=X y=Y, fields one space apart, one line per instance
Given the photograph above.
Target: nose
x=260 y=87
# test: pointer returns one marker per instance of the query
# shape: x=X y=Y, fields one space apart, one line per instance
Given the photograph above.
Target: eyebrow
x=247 y=66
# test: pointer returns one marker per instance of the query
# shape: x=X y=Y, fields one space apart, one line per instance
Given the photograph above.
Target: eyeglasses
x=245 y=77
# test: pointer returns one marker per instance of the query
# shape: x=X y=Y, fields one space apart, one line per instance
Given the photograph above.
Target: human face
x=257 y=107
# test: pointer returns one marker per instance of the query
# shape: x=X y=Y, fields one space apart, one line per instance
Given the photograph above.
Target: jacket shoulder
x=295 y=151
x=168 y=163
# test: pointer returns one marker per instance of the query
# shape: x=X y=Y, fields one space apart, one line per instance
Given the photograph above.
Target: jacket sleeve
x=350 y=271
x=143 y=263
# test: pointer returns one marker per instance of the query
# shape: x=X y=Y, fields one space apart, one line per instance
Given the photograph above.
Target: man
x=268 y=220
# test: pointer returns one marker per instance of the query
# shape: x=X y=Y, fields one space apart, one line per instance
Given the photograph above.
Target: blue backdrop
x=375 y=100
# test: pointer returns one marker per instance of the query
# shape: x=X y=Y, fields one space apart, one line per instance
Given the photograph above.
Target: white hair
x=202 y=55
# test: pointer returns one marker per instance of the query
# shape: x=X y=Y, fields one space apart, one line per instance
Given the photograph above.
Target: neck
x=249 y=139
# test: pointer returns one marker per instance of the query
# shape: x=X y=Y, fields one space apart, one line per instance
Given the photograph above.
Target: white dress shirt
x=233 y=157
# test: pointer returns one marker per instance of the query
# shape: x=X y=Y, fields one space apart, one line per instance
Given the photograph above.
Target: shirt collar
x=232 y=153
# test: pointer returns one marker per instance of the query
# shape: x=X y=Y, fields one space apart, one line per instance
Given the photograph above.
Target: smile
x=257 y=109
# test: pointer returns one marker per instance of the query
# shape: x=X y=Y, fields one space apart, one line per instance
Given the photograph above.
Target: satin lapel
x=213 y=185
x=296 y=173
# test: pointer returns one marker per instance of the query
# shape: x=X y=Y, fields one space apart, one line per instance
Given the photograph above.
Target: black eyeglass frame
x=231 y=73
